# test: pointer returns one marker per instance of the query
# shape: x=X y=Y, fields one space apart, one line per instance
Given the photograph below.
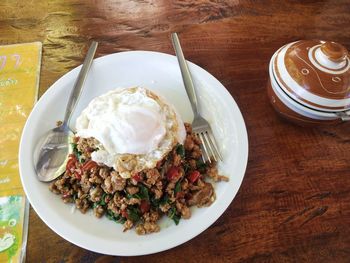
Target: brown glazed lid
x=314 y=73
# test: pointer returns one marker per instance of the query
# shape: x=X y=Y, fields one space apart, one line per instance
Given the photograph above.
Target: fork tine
x=203 y=150
x=203 y=157
x=212 y=153
x=213 y=142
x=204 y=147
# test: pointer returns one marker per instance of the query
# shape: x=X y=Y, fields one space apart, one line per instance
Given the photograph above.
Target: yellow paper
x=19 y=80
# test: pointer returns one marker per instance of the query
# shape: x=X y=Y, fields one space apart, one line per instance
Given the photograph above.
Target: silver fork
x=200 y=126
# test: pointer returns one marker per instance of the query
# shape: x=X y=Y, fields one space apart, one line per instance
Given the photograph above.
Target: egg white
x=129 y=154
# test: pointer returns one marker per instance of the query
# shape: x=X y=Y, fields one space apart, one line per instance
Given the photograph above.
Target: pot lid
x=315 y=74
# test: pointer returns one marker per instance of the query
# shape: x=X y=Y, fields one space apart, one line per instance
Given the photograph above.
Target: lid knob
x=334 y=51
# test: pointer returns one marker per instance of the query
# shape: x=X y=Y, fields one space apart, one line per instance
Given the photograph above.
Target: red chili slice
x=144 y=206
x=89 y=165
x=72 y=160
x=193 y=176
x=159 y=164
x=173 y=173
x=136 y=177
x=124 y=213
x=77 y=174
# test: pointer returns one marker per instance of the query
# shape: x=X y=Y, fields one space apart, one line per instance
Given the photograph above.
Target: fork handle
x=186 y=75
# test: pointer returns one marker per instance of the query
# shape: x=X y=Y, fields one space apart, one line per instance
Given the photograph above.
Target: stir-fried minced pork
x=171 y=188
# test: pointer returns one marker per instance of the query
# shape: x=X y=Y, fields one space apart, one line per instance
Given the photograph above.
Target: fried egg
x=135 y=129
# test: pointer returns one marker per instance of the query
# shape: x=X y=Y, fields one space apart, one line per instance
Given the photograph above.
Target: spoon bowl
x=52 y=151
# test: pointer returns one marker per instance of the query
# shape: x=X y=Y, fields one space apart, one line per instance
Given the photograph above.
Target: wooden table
x=294 y=202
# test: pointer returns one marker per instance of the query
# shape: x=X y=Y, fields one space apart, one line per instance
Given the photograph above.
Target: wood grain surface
x=294 y=202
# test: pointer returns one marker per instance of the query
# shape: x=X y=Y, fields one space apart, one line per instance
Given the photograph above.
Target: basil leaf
x=143 y=192
x=116 y=218
x=109 y=214
x=74 y=147
x=81 y=158
x=176 y=219
x=186 y=167
x=133 y=214
x=201 y=166
x=180 y=150
x=129 y=196
x=177 y=187
x=154 y=201
x=137 y=196
x=164 y=200
x=102 y=201
x=172 y=213
x=77 y=153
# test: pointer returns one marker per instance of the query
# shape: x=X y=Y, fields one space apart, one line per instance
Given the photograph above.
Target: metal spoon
x=52 y=150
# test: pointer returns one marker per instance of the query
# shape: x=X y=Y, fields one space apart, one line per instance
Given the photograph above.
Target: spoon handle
x=78 y=85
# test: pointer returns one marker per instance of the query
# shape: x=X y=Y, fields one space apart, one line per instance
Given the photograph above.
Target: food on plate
x=134 y=160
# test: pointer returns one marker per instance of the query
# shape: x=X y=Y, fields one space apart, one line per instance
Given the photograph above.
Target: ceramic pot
x=310 y=82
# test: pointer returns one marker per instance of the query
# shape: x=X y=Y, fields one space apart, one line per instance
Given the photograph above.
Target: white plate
x=158 y=72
